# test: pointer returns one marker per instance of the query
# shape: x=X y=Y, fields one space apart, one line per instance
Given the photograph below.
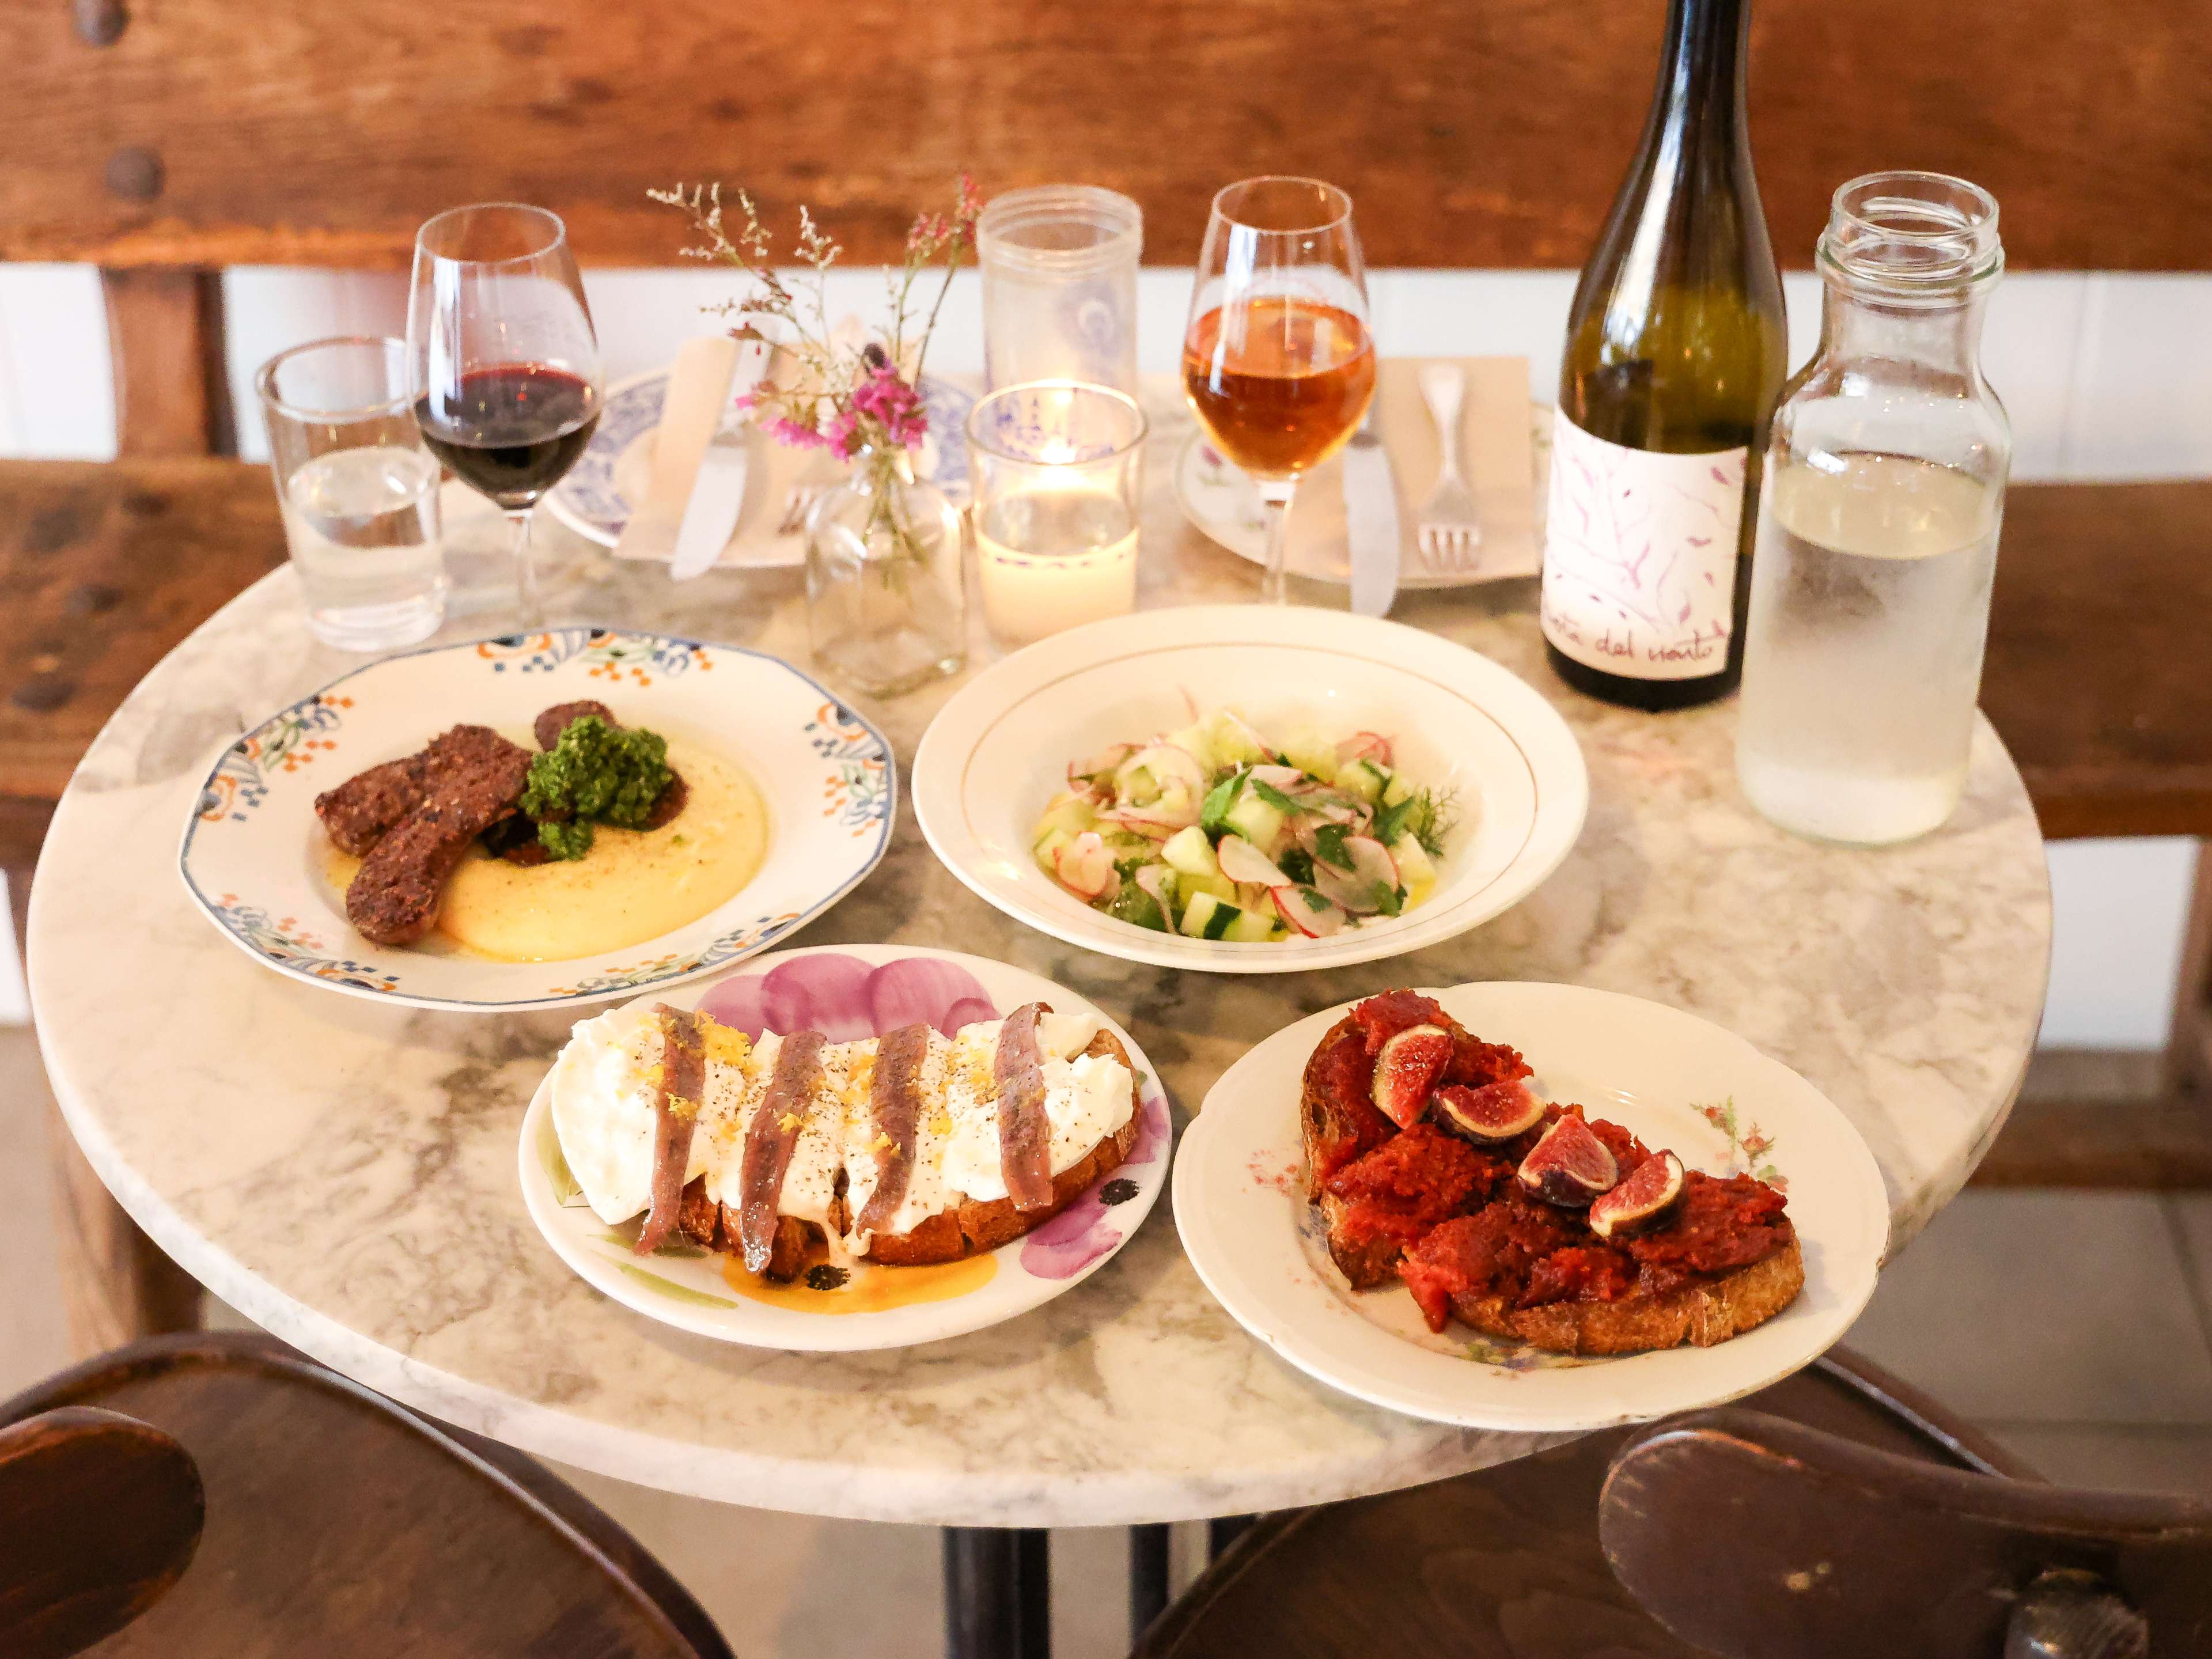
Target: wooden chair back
x=1505 y=1561
x=1758 y=1538
x=337 y=1524
x=164 y=141
x=101 y=1515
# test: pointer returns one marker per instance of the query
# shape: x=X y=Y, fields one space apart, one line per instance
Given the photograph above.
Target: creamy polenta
x=633 y=885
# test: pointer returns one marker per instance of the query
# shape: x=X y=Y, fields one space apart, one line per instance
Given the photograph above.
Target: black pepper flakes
x=1120 y=1190
x=826 y=1278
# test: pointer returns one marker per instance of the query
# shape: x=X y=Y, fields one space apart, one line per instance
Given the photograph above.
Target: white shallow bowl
x=842 y=991
x=1676 y=1081
x=998 y=752
x=253 y=851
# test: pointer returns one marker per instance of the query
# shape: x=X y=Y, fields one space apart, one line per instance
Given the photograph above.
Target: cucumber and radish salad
x=1217 y=832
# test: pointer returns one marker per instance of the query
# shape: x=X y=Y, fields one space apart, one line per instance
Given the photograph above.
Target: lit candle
x=1057 y=470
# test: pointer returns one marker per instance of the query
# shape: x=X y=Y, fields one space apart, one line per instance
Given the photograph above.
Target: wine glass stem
x=1275 y=509
x=526 y=603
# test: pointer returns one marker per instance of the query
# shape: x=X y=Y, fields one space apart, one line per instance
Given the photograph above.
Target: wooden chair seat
x=1505 y=1563
x=337 y=1524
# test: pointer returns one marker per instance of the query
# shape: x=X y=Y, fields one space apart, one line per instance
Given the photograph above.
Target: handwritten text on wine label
x=1640 y=555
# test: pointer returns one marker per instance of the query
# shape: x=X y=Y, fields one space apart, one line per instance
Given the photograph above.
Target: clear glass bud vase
x=886 y=609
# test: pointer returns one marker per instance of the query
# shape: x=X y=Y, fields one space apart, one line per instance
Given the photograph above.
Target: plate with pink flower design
x=852 y=993
x=1677 y=1083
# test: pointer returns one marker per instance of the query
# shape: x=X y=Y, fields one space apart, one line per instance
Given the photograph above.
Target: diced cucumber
x=1137 y=786
x=1208 y=917
x=1363 y=778
x=1414 y=864
x=1134 y=904
x=1415 y=869
x=1231 y=742
x=1309 y=754
x=1048 y=845
x=1068 y=812
x=1253 y=819
x=1196 y=741
x=1217 y=883
x=1396 y=789
x=1251 y=927
x=1189 y=851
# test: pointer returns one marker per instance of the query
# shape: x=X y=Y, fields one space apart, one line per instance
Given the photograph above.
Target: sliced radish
x=1084 y=866
x=1364 y=746
x=1150 y=880
x=1305 y=911
x=1104 y=761
x=1241 y=861
x=1160 y=819
x=1360 y=889
x=1288 y=779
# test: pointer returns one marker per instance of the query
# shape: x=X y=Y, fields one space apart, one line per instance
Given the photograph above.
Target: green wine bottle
x=1674 y=358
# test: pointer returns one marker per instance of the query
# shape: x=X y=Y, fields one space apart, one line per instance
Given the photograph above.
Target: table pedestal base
x=998 y=1593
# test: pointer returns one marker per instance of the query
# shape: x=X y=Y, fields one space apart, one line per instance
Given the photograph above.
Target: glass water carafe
x=1877 y=536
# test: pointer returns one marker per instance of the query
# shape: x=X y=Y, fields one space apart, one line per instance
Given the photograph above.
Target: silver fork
x=1450 y=530
x=797 y=505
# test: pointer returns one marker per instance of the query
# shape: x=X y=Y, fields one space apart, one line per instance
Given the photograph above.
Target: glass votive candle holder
x=1057 y=468
x=1060 y=285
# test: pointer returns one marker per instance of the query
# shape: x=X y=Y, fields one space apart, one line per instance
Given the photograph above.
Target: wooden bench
x=166 y=141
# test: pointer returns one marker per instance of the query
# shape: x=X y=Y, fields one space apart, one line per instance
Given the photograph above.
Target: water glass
x=1060 y=285
x=359 y=492
x=1877 y=537
x=1058 y=474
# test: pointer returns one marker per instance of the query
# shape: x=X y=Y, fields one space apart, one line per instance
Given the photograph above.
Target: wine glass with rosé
x=1278 y=361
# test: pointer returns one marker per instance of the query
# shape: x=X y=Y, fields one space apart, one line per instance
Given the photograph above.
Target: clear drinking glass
x=1060 y=285
x=1877 y=537
x=506 y=376
x=359 y=492
x=1277 y=360
x=886 y=607
x=1058 y=476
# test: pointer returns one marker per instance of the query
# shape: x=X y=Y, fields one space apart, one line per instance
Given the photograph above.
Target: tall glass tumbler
x=1058 y=474
x=359 y=492
x=1060 y=285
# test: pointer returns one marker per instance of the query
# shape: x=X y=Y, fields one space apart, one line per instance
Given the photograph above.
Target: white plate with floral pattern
x=1461 y=724
x=254 y=854
x=849 y=992
x=1676 y=1081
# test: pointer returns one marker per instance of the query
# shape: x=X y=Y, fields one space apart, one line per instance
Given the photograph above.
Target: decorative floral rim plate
x=1676 y=1080
x=850 y=991
x=253 y=851
x=996 y=754
x=1223 y=505
x=590 y=499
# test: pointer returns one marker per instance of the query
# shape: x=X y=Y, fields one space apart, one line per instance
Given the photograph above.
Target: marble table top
x=344 y=1172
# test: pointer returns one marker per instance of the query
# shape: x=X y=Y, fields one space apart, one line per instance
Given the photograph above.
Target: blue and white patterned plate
x=590 y=500
x=254 y=854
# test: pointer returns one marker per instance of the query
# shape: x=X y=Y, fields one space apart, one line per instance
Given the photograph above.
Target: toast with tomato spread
x=1431 y=1162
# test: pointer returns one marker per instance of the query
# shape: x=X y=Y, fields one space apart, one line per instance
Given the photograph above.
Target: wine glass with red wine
x=507 y=384
x=1278 y=363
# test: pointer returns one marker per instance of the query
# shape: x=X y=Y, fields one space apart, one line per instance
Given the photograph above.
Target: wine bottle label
x=1639 y=556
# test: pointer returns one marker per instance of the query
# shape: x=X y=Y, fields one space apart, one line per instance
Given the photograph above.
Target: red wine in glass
x=510 y=431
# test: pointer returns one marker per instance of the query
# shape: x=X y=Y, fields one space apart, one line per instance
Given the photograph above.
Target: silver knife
x=1370 y=519
x=718 y=494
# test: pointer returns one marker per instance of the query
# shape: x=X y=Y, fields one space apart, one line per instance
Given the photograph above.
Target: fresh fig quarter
x=1406 y=1069
x=1568 y=1166
x=1495 y=1112
x=1641 y=1201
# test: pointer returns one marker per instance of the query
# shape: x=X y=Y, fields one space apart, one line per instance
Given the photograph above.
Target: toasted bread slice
x=986 y=1224
x=1698 y=1314
x=1328 y=1124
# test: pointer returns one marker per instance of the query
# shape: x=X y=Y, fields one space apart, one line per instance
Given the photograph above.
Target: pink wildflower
x=886 y=399
x=787 y=431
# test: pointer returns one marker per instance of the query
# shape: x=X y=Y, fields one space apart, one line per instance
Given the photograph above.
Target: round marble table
x=344 y=1172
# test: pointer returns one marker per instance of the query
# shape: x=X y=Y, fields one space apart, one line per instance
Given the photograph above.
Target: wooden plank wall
x=1473 y=132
